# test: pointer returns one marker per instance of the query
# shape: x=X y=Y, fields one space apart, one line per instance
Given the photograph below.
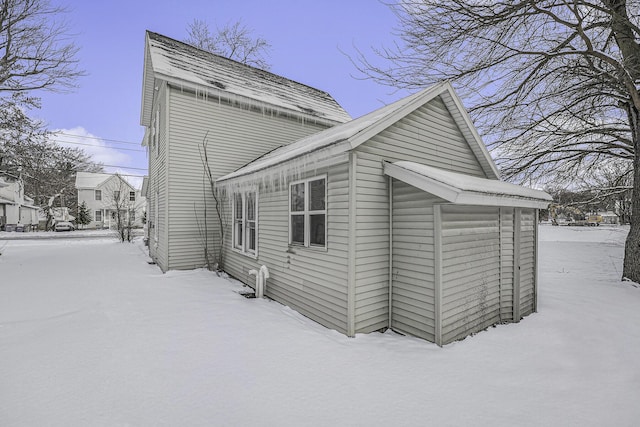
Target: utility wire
x=99 y=146
x=119 y=141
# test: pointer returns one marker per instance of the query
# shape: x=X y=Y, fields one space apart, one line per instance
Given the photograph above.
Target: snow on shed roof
x=347 y=136
x=466 y=189
x=182 y=63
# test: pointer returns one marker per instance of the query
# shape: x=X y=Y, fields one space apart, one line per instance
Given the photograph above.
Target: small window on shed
x=308 y=213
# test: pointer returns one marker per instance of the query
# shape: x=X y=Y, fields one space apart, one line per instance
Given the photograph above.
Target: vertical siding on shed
x=413 y=291
x=235 y=135
x=311 y=281
x=470 y=270
x=527 y=261
x=429 y=136
x=506 y=264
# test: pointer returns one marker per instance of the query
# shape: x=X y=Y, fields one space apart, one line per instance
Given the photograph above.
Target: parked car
x=64 y=226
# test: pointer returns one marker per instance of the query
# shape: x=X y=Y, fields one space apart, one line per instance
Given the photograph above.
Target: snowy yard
x=90 y=334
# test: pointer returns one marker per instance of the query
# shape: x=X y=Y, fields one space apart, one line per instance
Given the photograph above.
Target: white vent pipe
x=261 y=280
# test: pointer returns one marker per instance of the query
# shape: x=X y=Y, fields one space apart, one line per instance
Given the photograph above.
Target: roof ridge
x=159 y=36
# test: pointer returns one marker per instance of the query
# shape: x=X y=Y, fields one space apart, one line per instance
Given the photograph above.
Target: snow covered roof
x=350 y=135
x=466 y=189
x=183 y=64
x=90 y=179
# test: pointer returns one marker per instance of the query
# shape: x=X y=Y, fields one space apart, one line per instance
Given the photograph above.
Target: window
x=98 y=194
x=245 y=233
x=308 y=212
x=116 y=195
x=98 y=216
x=132 y=196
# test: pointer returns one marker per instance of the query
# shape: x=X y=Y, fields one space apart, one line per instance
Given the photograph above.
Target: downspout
x=390 y=251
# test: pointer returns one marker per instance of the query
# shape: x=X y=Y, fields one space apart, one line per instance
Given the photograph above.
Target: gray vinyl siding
x=235 y=136
x=311 y=281
x=429 y=136
x=527 y=261
x=413 y=264
x=158 y=183
x=470 y=270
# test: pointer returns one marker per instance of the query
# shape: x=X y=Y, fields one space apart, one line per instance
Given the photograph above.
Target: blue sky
x=306 y=37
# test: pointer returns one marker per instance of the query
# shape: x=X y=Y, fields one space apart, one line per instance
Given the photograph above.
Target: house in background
x=396 y=219
x=104 y=194
x=17 y=212
x=199 y=107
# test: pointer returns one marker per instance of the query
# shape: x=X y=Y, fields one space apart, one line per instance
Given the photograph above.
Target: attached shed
x=464 y=251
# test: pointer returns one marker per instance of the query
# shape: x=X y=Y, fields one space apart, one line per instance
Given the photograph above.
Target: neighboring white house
x=397 y=219
x=104 y=194
x=16 y=209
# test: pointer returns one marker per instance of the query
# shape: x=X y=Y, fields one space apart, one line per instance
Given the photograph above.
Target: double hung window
x=98 y=194
x=245 y=232
x=308 y=212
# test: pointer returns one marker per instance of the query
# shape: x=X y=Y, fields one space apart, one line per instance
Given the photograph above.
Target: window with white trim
x=245 y=230
x=132 y=196
x=308 y=212
x=98 y=216
x=98 y=194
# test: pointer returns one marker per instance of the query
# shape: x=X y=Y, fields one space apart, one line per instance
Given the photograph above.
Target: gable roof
x=183 y=64
x=466 y=189
x=90 y=179
x=347 y=136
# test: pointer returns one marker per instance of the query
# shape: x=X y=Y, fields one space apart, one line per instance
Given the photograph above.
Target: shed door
x=470 y=270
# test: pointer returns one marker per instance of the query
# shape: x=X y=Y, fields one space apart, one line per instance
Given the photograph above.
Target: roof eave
x=459 y=196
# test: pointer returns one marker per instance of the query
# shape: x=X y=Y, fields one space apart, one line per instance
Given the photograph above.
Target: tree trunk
x=631 y=269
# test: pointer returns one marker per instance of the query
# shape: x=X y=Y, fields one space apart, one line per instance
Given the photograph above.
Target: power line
x=99 y=146
x=119 y=141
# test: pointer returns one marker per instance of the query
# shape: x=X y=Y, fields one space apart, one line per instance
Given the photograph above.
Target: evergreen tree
x=84 y=216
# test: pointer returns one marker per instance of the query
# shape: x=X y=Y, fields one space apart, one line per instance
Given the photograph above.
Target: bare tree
x=121 y=207
x=554 y=83
x=35 y=51
x=234 y=40
x=35 y=54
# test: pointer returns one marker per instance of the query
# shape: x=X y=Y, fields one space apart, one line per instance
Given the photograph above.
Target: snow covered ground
x=90 y=334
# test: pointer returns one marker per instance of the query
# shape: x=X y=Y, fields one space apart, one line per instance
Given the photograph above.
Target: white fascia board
x=487 y=199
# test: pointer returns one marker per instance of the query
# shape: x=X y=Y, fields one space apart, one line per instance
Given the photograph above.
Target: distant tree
x=84 y=215
x=234 y=40
x=46 y=168
x=555 y=83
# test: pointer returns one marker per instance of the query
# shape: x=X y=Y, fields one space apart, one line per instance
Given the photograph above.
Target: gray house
x=396 y=219
x=196 y=103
